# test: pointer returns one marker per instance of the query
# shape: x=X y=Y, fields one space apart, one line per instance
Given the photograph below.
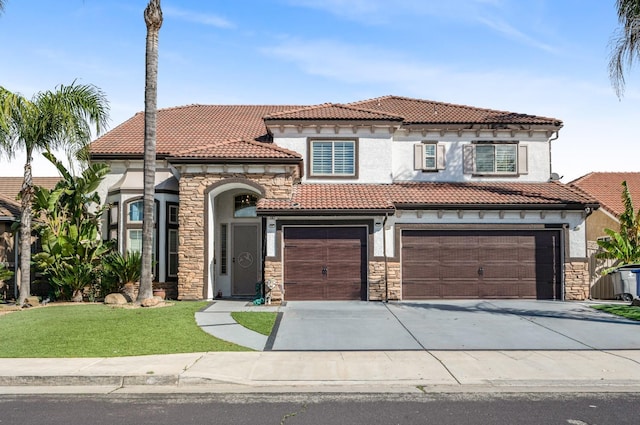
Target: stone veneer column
x=273 y=272
x=376 y=281
x=192 y=219
x=576 y=280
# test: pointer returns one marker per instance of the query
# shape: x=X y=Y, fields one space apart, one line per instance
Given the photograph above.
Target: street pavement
x=413 y=358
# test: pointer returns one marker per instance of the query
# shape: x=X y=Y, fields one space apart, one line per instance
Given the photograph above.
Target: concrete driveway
x=450 y=325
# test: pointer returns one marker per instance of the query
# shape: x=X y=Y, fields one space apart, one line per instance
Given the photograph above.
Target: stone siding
x=377 y=277
x=273 y=273
x=576 y=280
x=192 y=220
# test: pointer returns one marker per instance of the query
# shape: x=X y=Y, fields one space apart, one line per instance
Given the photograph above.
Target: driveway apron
x=451 y=325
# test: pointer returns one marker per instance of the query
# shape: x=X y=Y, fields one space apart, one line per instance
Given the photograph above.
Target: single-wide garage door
x=325 y=263
x=481 y=264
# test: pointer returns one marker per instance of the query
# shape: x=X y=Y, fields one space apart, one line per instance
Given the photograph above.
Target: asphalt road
x=286 y=409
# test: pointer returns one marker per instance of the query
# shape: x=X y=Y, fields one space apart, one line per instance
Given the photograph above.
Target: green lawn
x=628 y=311
x=259 y=321
x=97 y=330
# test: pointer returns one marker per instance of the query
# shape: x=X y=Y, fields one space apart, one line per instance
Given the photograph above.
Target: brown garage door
x=325 y=263
x=480 y=264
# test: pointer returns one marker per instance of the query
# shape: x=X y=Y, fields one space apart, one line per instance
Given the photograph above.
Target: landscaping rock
x=636 y=302
x=117 y=299
x=150 y=302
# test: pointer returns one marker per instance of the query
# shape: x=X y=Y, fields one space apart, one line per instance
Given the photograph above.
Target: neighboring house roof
x=10 y=188
x=606 y=188
x=382 y=197
x=9 y=208
x=209 y=131
x=188 y=127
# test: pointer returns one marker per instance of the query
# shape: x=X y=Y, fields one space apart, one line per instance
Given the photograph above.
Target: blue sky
x=542 y=57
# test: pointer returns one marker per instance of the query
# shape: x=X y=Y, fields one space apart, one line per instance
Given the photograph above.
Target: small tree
x=623 y=246
x=67 y=218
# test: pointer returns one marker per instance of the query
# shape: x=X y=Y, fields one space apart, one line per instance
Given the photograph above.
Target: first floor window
x=333 y=158
x=245 y=206
x=173 y=253
x=134 y=240
x=224 y=251
x=136 y=211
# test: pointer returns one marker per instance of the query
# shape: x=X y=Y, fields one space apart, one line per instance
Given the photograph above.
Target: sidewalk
x=389 y=371
x=381 y=371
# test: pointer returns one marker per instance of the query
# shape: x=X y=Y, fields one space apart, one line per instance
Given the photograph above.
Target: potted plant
x=159 y=291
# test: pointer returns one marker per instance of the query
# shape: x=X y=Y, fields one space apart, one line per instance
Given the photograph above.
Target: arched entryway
x=234 y=239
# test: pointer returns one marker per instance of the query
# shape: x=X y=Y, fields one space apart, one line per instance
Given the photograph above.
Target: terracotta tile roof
x=185 y=127
x=10 y=188
x=238 y=149
x=417 y=111
x=487 y=194
x=344 y=197
x=333 y=111
x=332 y=197
x=607 y=189
x=9 y=208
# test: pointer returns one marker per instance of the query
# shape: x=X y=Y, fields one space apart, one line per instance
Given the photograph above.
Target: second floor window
x=331 y=158
x=496 y=159
x=485 y=158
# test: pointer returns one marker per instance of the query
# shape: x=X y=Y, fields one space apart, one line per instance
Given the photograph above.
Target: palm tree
x=62 y=118
x=153 y=20
x=625 y=43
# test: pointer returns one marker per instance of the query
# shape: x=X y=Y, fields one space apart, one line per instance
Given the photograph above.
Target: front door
x=245 y=261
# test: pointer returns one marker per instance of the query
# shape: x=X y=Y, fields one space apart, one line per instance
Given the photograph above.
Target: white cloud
x=489 y=13
x=198 y=18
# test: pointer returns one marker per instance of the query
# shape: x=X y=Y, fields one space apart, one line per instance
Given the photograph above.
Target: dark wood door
x=480 y=264
x=325 y=263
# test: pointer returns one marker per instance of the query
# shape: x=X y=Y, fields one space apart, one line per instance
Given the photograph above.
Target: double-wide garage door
x=481 y=264
x=325 y=263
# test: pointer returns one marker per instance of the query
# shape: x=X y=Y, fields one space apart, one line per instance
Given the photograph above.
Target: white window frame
x=429 y=150
x=333 y=142
x=520 y=159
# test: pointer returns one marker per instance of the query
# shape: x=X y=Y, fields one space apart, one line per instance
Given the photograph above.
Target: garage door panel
x=481 y=264
x=325 y=263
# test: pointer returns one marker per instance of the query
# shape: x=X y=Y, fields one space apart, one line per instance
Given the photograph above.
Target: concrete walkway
x=380 y=371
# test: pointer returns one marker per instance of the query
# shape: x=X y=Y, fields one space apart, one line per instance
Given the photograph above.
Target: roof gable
x=238 y=149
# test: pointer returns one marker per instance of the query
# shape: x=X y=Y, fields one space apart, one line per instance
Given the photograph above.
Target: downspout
x=384 y=248
x=551 y=140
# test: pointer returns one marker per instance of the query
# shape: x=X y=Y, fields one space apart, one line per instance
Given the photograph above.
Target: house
x=606 y=188
x=388 y=198
x=10 y=211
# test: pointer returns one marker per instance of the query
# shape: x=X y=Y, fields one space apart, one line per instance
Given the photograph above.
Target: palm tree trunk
x=153 y=20
x=25 y=233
